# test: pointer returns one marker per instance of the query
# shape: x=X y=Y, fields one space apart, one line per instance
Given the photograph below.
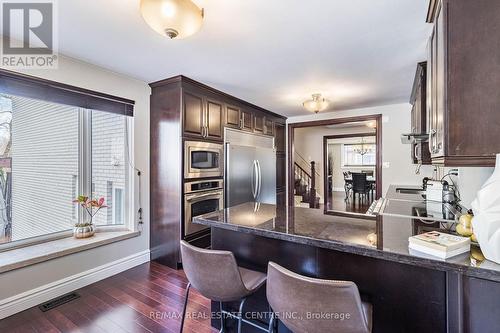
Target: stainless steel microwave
x=203 y=159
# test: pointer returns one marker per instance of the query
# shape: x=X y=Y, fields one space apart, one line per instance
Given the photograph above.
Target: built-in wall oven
x=201 y=197
x=203 y=159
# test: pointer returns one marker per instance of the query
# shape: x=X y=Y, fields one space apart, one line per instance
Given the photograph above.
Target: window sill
x=34 y=254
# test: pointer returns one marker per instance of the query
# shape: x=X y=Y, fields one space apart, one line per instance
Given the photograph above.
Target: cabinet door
x=429 y=106
x=258 y=125
x=440 y=83
x=414 y=129
x=193 y=114
x=268 y=127
x=246 y=120
x=233 y=118
x=214 y=120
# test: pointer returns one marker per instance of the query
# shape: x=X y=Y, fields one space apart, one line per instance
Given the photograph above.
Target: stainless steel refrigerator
x=249 y=169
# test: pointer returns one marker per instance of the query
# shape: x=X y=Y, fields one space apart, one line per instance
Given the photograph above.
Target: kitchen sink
x=403 y=190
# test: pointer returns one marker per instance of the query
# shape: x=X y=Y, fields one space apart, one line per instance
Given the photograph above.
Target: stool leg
x=222 y=320
x=240 y=314
x=272 y=323
x=185 y=306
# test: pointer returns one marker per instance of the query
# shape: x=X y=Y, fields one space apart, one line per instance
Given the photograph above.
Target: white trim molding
x=33 y=297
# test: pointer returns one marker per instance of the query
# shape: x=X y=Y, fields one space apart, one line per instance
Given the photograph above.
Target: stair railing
x=307 y=178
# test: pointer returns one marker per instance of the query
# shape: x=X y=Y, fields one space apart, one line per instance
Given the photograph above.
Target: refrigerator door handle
x=259 y=179
x=254 y=179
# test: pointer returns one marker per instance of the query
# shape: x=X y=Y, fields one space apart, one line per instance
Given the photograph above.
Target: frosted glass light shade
x=172 y=18
x=316 y=104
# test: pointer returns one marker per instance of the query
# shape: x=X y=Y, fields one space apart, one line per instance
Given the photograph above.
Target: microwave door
x=241 y=175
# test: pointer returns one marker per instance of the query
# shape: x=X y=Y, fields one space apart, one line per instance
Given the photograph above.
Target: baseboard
x=30 y=298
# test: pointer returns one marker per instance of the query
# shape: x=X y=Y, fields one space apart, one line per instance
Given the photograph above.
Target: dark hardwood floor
x=147 y=298
x=352 y=205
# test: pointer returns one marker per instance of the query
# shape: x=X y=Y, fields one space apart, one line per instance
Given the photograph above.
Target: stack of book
x=438 y=244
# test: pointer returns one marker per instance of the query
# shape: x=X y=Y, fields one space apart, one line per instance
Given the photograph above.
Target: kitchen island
x=409 y=293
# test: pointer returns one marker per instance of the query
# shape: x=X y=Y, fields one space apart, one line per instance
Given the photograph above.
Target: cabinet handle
x=432 y=147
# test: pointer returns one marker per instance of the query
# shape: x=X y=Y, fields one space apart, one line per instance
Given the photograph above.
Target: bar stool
x=217 y=277
x=310 y=305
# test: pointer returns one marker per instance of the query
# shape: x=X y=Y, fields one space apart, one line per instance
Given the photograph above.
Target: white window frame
x=342 y=156
x=124 y=198
x=84 y=185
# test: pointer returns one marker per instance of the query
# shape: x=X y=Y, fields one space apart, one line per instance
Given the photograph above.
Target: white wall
x=88 y=76
x=308 y=143
x=397 y=168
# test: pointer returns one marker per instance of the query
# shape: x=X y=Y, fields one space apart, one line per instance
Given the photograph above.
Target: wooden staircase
x=305 y=186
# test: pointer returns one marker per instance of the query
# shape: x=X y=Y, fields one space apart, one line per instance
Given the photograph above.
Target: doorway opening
x=336 y=163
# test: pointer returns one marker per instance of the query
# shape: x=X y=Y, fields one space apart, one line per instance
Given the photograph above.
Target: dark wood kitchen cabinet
x=182 y=109
x=214 y=123
x=246 y=120
x=462 y=82
x=193 y=114
x=419 y=151
x=258 y=123
x=233 y=117
x=202 y=116
x=268 y=126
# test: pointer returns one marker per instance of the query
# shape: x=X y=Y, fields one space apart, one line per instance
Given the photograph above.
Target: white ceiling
x=276 y=53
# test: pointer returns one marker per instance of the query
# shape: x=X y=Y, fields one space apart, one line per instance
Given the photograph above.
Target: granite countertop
x=383 y=237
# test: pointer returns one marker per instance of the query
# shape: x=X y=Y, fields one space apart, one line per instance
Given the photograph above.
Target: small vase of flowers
x=86 y=228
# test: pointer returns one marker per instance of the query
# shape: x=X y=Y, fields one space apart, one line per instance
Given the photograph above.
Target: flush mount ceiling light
x=316 y=104
x=174 y=18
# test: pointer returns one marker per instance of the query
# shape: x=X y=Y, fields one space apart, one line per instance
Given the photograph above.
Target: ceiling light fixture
x=316 y=104
x=174 y=18
x=361 y=149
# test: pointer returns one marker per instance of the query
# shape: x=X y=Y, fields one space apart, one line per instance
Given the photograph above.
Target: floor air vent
x=53 y=303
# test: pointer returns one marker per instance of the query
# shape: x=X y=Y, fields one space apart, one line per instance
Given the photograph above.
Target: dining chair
x=347 y=185
x=360 y=185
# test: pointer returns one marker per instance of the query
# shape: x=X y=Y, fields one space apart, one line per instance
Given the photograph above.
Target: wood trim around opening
x=378 y=134
x=325 y=157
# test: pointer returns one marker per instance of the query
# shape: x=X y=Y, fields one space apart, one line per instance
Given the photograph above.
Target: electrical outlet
x=454 y=172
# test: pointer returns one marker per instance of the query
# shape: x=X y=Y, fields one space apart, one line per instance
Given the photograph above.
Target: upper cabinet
x=193 y=114
x=462 y=82
x=233 y=117
x=258 y=122
x=420 y=151
x=202 y=116
x=206 y=112
x=268 y=126
x=213 y=122
x=246 y=120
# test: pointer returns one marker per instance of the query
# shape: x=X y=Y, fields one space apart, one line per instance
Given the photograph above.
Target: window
x=118 y=205
x=352 y=157
x=108 y=163
x=50 y=153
